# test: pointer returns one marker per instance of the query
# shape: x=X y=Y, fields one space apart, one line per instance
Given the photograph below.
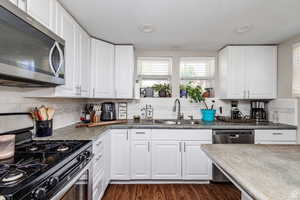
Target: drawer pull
x=98 y=143
x=277 y=133
x=98 y=158
x=140 y=133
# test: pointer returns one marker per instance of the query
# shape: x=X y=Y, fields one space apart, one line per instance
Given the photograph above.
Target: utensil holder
x=44 y=128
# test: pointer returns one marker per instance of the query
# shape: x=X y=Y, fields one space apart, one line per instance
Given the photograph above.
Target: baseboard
x=157 y=182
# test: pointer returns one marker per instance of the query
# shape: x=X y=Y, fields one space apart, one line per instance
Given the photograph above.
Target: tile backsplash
x=67 y=110
x=163 y=107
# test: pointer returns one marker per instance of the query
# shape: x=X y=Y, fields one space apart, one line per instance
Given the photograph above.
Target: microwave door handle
x=50 y=58
x=61 y=56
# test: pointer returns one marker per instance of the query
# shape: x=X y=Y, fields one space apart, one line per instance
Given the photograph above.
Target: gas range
x=40 y=169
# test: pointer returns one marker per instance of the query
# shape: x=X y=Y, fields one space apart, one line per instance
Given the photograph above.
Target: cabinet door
x=166 y=160
x=103 y=69
x=261 y=72
x=120 y=155
x=236 y=76
x=124 y=66
x=84 y=64
x=196 y=165
x=140 y=160
x=68 y=33
x=40 y=10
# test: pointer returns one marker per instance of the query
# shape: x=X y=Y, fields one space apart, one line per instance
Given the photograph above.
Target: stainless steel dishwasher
x=230 y=137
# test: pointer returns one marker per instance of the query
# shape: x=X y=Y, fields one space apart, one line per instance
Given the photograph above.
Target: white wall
x=67 y=110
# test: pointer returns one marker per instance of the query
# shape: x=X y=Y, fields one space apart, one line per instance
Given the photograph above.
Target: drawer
x=98 y=145
x=98 y=163
x=141 y=134
x=182 y=134
x=275 y=135
x=98 y=188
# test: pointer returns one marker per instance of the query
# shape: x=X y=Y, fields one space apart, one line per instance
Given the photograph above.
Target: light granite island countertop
x=264 y=172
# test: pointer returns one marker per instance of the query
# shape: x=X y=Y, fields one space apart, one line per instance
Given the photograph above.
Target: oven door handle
x=63 y=191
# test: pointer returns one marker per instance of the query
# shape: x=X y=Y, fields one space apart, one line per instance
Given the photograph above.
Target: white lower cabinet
x=166 y=160
x=101 y=165
x=196 y=165
x=275 y=136
x=140 y=160
x=120 y=154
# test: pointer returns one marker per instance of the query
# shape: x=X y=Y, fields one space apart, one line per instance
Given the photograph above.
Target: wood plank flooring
x=173 y=192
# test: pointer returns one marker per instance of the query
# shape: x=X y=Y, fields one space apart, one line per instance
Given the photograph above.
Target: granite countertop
x=265 y=172
x=83 y=133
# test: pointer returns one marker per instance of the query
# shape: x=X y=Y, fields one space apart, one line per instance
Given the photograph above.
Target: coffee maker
x=258 y=111
x=108 y=111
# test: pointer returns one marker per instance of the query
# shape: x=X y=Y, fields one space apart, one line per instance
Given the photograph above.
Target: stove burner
x=63 y=148
x=12 y=176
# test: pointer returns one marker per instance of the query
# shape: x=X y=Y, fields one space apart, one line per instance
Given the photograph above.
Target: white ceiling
x=187 y=24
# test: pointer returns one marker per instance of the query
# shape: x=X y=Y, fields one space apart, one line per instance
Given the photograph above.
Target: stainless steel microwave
x=30 y=54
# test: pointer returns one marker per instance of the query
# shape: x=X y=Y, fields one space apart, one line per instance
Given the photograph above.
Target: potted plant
x=164 y=90
x=183 y=91
x=195 y=94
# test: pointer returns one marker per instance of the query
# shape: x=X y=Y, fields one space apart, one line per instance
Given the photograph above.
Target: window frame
x=155 y=77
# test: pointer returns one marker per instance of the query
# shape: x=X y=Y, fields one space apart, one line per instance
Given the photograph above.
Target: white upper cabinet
x=40 y=10
x=103 y=78
x=248 y=72
x=124 y=71
x=261 y=71
x=83 y=69
x=67 y=29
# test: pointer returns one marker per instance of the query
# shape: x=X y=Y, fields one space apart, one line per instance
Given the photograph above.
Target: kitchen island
x=261 y=172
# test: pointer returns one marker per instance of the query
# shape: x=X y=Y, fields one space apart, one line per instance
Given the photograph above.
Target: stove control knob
x=81 y=158
x=87 y=154
x=53 y=181
x=40 y=194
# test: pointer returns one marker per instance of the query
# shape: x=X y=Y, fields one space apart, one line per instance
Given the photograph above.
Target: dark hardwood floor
x=173 y=192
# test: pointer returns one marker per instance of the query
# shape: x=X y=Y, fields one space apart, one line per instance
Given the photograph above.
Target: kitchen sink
x=176 y=122
x=168 y=122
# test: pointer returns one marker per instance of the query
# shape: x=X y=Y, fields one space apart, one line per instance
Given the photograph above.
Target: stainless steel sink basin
x=168 y=122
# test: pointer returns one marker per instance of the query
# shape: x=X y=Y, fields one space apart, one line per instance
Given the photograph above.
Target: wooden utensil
x=50 y=113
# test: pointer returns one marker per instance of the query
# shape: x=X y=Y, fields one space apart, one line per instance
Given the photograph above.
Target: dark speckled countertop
x=83 y=133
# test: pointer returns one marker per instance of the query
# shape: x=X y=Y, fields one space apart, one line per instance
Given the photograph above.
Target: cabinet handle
x=277 y=133
x=140 y=133
x=179 y=146
x=99 y=143
x=148 y=146
x=127 y=135
x=244 y=94
x=93 y=92
x=184 y=147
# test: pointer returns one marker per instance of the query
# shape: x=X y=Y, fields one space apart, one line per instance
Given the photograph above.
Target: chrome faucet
x=179 y=114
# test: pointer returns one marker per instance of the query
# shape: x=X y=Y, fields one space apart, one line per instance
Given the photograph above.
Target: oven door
x=79 y=188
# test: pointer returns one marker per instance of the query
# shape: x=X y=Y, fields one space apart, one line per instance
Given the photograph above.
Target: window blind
x=200 y=68
x=296 y=70
x=154 y=66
